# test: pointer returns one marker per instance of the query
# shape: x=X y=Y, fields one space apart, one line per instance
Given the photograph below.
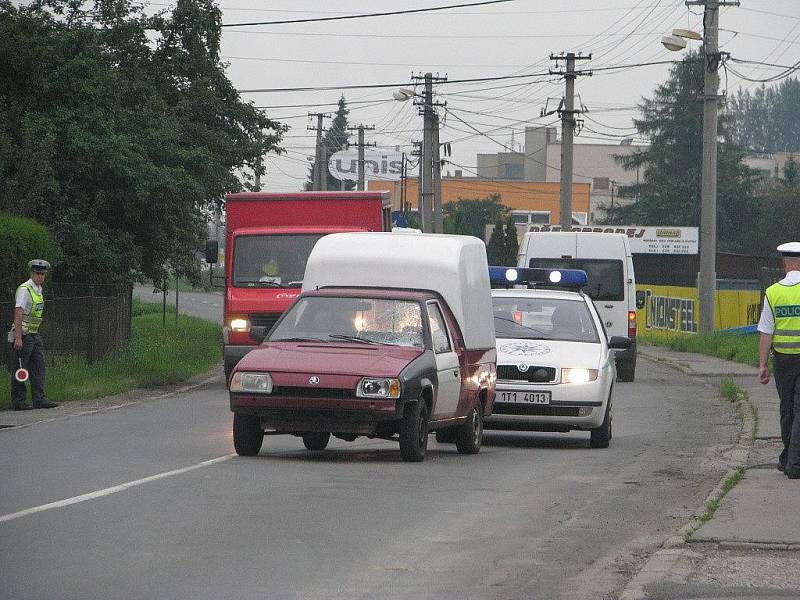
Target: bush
x=21 y=240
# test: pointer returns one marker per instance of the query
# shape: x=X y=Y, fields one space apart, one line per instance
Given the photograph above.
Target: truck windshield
x=371 y=320
x=605 y=275
x=543 y=319
x=271 y=260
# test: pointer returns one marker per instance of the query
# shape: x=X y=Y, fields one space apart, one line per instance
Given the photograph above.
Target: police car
x=555 y=366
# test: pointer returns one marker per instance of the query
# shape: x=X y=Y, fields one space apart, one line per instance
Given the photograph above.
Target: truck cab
x=269 y=238
x=392 y=337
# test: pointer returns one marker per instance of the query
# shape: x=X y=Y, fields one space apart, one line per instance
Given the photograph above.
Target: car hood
x=333 y=359
x=548 y=353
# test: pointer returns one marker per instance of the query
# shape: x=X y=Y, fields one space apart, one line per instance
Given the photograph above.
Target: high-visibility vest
x=33 y=320
x=784 y=300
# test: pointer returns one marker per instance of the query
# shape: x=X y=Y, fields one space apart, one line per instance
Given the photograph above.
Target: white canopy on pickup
x=454 y=266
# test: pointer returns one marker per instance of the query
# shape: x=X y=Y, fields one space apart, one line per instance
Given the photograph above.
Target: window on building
x=601 y=183
x=513 y=171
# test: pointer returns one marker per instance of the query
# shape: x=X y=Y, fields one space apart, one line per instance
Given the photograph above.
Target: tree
x=511 y=242
x=496 y=246
x=119 y=131
x=471 y=216
x=335 y=139
x=768 y=119
x=669 y=191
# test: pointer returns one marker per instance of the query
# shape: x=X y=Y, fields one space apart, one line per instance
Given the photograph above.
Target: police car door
x=447 y=366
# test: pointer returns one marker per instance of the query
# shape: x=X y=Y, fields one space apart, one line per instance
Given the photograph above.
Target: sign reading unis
x=343 y=165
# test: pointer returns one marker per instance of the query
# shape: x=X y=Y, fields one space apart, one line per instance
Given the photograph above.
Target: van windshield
x=271 y=260
x=606 y=278
x=366 y=320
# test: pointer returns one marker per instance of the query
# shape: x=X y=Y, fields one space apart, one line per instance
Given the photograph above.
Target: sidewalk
x=751 y=545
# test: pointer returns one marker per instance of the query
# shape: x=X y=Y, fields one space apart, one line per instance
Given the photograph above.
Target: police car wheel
x=470 y=434
x=601 y=437
x=316 y=441
x=414 y=432
x=247 y=435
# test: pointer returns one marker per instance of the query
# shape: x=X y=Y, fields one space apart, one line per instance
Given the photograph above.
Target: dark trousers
x=787 y=380
x=32 y=357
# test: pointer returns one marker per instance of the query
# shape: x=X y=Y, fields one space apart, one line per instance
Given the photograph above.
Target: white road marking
x=111 y=490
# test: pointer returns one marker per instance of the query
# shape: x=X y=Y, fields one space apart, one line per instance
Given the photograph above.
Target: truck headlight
x=371 y=387
x=257 y=383
x=578 y=375
x=239 y=324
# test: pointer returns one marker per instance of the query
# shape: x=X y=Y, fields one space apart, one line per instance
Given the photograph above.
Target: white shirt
x=766 y=324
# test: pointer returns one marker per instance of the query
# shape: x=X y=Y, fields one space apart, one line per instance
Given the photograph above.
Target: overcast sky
x=510 y=38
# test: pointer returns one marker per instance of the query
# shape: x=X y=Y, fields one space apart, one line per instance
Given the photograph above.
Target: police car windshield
x=543 y=319
x=271 y=260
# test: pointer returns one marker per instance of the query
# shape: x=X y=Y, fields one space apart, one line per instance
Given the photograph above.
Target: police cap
x=39 y=265
x=790 y=249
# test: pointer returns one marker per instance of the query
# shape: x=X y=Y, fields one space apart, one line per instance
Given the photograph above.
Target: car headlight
x=370 y=387
x=257 y=383
x=239 y=324
x=578 y=375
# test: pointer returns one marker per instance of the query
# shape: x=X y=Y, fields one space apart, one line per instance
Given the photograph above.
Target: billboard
x=654 y=239
x=385 y=165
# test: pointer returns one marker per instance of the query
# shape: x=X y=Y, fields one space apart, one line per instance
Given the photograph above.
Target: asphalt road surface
x=148 y=502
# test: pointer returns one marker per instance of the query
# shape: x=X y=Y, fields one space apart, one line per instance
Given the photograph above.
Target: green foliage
x=738 y=348
x=155 y=356
x=729 y=390
x=669 y=190
x=512 y=242
x=335 y=138
x=768 y=119
x=21 y=240
x=496 y=246
x=471 y=216
x=778 y=223
x=119 y=131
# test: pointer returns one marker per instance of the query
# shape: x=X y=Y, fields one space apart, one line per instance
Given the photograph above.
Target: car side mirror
x=640 y=299
x=212 y=251
x=258 y=333
x=619 y=342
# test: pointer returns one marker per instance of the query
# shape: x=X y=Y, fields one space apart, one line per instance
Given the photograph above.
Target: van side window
x=439 y=337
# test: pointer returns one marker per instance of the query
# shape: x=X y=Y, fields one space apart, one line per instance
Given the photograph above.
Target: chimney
x=458 y=173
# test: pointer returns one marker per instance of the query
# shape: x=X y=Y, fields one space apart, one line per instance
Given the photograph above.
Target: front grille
x=313 y=392
x=533 y=374
x=536 y=410
x=265 y=319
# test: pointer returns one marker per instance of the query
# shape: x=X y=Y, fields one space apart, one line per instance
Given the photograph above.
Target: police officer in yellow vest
x=27 y=343
x=780 y=330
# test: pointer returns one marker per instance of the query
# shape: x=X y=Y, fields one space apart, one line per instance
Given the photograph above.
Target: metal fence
x=93 y=320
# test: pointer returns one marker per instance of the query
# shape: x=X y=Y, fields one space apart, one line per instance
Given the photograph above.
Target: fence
x=93 y=320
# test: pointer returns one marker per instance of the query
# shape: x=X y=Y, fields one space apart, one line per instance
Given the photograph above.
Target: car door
x=447 y=367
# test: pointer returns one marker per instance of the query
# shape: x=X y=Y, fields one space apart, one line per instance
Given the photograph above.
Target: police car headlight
x=370 y=387
x=578 y=375
x=256 y=383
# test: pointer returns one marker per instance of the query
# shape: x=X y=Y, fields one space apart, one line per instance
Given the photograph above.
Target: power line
x=369 y=15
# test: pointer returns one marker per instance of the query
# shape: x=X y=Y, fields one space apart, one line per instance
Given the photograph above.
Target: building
x=771 y=166
x=593 y=164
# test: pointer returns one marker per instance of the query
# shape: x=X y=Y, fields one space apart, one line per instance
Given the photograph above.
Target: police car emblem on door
x=313 y=380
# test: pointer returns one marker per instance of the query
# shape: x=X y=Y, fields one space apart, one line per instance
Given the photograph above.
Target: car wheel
x=247 y=434
x=601 y=436
x=470 y=434
x=316 y=440
x=414 y=432
x=446 y=436
x=626 y=371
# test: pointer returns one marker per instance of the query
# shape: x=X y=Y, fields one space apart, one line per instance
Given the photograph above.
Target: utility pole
x=361 y=129
x=707 y=278
x=316 y=183
x=567 y=113
x=431 y=215
x=417 y=152
x=438 y=218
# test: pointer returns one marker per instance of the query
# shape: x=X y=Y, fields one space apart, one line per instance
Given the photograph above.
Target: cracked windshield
x=367 y=320
x=271 y=260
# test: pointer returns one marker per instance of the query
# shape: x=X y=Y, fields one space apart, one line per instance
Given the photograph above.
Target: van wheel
x=247 y=434
x=601 y=437
x=316 y=440
x=470 y=434
x=626 y=371
x=414 y=432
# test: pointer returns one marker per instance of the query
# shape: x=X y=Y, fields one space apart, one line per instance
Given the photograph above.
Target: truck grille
x=265 y=319
x=533 y=374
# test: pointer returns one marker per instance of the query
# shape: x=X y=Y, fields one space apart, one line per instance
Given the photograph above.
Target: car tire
x=626 y=371
x=414 y=432
x=316 y=440
x=446 y=436
x=247 y=434
x=470 y=434
x=601 y=436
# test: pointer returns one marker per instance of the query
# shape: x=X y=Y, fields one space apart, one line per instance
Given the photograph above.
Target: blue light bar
x=562 y=278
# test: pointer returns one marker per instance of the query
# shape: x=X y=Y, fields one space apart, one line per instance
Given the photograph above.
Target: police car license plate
x=525 y=397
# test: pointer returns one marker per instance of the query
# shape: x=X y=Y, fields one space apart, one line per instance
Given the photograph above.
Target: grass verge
x=738 y=348
x=727 y=486
x=155 y=355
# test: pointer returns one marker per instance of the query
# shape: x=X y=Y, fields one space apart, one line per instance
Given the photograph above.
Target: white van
x=606 y=258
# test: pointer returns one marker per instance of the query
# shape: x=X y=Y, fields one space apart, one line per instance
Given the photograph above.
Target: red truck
x=269 y=238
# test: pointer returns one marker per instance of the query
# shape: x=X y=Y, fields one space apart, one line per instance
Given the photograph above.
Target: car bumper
x=362 y=416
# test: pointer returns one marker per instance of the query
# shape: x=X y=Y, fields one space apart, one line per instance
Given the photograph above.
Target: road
x=196 y=304
x=148 y=502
